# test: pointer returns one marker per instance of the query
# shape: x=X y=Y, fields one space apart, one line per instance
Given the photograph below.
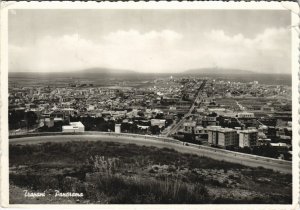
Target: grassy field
x=109 y=172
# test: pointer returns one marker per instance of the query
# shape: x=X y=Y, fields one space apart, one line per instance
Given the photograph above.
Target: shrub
x=126 y=190
x=102 y=164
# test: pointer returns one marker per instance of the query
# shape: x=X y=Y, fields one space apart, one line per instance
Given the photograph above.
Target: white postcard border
x=6 y=6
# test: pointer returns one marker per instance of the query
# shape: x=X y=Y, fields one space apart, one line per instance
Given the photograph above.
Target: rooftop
x=77 y=124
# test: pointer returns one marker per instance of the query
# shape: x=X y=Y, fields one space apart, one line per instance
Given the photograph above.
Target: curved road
x=282 y=166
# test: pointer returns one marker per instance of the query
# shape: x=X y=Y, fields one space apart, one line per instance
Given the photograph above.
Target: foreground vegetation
x=108 y=172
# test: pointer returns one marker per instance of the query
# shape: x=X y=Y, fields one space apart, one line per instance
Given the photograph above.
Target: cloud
x=121 y=37
x=156 y=51
x=269 y=51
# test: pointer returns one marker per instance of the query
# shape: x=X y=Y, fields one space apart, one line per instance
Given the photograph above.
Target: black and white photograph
x=150 y=105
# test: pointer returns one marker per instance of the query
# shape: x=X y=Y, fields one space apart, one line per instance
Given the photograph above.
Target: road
x=23 y=131
x=179 y=124
x=242 y=108
x=217 y=154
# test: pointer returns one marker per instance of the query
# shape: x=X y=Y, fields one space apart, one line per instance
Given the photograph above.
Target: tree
x=31 y=118
x=169 y=122
x=141 y=114
x=15 y=118
x=159 y=116
x=180 y=115
x=155 y=129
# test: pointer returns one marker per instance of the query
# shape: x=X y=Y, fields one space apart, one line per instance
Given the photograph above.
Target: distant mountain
x=106 y=71
x=217 y=71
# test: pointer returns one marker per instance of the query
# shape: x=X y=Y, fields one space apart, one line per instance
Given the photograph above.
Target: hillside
x=106 y=71
x=218 y=71
x=117 y=173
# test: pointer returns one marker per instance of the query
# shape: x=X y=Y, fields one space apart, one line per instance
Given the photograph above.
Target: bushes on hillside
x=136 y=190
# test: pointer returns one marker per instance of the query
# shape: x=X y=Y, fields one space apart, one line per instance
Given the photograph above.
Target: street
x=175 y=128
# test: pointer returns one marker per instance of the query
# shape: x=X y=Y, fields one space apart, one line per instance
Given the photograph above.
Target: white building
x=213 y=134
x=159 y=122
x=189 y=126
x=283 y=145
x=199 y=130
x=248 y=138
x=68 y=111
x=58 y=119
x=216 y=109
x=74 y=127
x=117 y=128
x=222 y=137
x=245 y=115
x=228 y=137
x=91 y=107
x=49 y=122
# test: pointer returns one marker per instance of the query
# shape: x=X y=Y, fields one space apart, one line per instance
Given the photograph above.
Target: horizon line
x=131 y=71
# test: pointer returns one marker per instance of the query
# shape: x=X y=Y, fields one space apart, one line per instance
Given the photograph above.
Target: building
x=248 y=138
x=279 y=145
x=74 y=127
x=189 y=127
x=227 y=137
x=212 y=132
x=49 y=122
x=210 y=120
x=117 y=128
x=91 y=107
x=199 y=130
x=159 y=122
x=263 y=142
x=222 y=137
x=245 y=115
x=68 y=111
x=58 y=119
x=216 y=109
x=267 y=108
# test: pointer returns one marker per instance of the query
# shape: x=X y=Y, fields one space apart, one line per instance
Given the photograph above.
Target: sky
x=158 y=41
